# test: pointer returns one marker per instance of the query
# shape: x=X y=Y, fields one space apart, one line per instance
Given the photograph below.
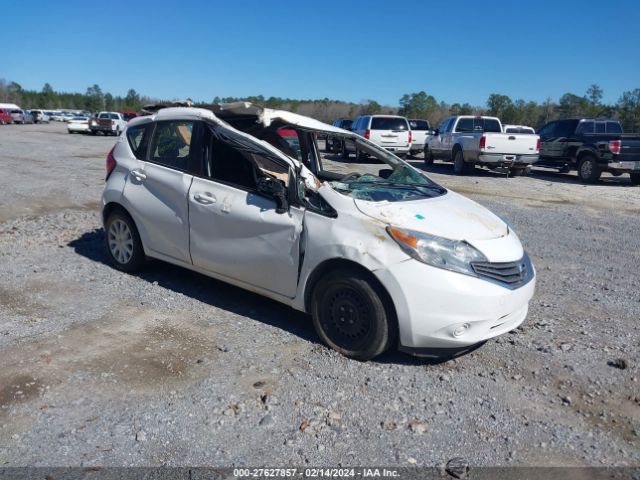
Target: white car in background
x=78 y=124
x=518 y=129
x=378 y=261
x=390 y=132
x=419 y=131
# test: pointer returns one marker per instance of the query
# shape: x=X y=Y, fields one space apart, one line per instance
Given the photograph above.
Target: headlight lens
x=438 y=252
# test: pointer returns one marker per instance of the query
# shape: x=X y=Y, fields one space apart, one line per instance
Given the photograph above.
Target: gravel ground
x=101 y=368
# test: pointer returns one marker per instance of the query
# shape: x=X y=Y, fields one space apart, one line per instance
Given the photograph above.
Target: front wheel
x=635 y=178
x=589 y=170
x=428 y=156
x=123 y=242
x=350 y=316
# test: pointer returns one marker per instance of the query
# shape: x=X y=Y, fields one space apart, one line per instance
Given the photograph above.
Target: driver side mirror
x=276 y=189
x=436 y=132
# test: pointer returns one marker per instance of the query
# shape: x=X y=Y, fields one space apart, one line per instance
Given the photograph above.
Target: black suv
x=334 y=144
x=590 y=146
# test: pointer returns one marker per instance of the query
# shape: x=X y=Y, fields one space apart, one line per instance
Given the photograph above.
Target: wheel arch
x=341 y=263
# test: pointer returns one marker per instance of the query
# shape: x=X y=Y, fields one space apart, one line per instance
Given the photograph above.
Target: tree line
x=413 y=105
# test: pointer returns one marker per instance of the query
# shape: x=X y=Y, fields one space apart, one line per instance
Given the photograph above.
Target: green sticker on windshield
x=419 y=217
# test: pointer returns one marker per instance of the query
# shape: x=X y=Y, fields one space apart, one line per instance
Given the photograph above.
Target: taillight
x=367 y=134
x=538 y=145
x=111 y=162
x=410 y=138
x=615 y=146
x=483 y=141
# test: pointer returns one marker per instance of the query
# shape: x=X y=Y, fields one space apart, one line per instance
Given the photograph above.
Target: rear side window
x=585 y=128
x=565 y=129
x=419 y=124
x=171 y=144
x=138 y=137
x=614 y=127
x=465 y=125
x=389 y=123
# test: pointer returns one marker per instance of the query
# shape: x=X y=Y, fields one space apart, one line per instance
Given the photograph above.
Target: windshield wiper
x=400 y=185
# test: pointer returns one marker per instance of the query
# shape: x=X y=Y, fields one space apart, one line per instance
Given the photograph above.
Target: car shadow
x=205 y=289
x=446 y=168
x=572 y=178
x=232 y=299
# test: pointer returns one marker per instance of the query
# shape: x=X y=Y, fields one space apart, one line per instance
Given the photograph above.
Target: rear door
x=235 y=231
x=157 y=189
x=390 y=132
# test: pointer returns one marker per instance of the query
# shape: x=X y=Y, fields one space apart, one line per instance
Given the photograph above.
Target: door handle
x=138 y=174
x=205 y=198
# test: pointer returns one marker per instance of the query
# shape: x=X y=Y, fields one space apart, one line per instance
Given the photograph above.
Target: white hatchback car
x=240 y=193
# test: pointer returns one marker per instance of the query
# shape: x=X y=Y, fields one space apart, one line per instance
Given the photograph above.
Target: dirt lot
x=172 y=368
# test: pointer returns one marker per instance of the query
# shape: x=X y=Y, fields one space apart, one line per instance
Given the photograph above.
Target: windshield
x=375 y=175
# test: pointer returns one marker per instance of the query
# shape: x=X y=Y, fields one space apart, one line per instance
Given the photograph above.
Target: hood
x=450 y=216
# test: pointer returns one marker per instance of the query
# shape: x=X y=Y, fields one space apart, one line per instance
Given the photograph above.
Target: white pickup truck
x=468 y=141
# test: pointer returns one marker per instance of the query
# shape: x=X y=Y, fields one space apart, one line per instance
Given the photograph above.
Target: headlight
x=438 y=252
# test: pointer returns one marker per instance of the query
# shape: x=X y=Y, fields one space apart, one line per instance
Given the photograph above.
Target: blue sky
x=459 y=51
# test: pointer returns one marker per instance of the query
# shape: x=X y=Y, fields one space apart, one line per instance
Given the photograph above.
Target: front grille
x=510 y=274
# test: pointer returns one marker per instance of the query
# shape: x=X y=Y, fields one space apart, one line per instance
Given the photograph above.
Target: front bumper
x=507 y=160
x=625 y=166
x=437 y=308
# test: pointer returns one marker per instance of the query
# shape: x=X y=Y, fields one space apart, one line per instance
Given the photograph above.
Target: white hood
x=450 y=216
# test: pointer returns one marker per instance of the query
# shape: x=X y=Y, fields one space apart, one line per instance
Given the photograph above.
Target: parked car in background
x=57 y=116
x=17 y=115
x=419 y=131
x=390 y=132
x=128 y=116
x=109 y=123
x=518 y=129
x=378 y=261
x=27 y=117
x=40 y=116
x=78 y=124
x=590 y=146
x=334 y=144
x=468 y=141
x=5 y=116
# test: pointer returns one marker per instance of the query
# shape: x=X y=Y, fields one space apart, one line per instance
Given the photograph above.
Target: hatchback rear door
x=156 y=189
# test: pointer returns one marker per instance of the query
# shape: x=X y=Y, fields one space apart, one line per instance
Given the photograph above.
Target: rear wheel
x=588 y=169
x=123 y=242
x=460 y=167
x=350 y=316
x=635 y=178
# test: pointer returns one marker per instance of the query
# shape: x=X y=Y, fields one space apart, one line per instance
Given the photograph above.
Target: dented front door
x=238 y=234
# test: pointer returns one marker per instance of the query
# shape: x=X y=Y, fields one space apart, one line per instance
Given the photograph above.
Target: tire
x=428 y=156
x=635 y=178
x=459 y=166
x=588 y=169
x=350 y=316
x=123 y=242
x=93 y=132
x=118 y=132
